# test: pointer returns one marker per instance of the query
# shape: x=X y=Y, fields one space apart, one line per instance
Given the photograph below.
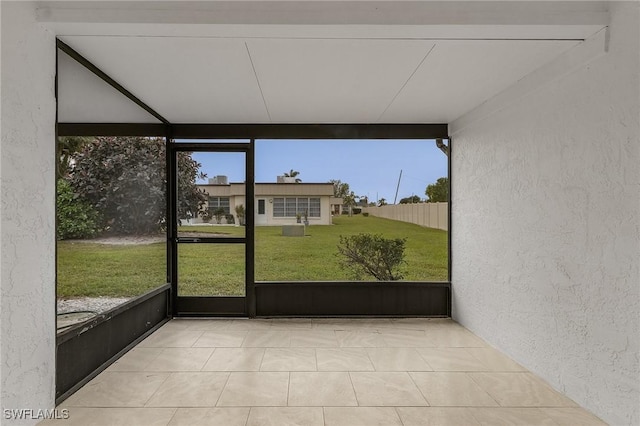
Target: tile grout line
x=418 y=387
x=483 y=389
x=226 y=382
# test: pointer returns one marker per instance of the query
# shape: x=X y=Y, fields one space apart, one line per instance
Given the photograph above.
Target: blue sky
x=370 y=167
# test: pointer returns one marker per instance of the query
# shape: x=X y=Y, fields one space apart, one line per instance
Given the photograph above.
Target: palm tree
x=382 y=202
x=293 y=173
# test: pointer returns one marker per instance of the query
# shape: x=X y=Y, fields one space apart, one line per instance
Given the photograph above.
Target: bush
x=374 y=255
x=230 y=219
x=206 y=215
x=365 y=214
x=218 y=214
x=76 y=218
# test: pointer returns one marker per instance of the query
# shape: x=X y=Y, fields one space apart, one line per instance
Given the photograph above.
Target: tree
x=349 y=200
x=293 y=173
x=367 y=254
x=66 y=148
x=75 y=217
x=124 y=178
x=240 y=213
x=340 y=189
x=438 y=192
x=218 y=214
x=410 y=200
x=382 y=202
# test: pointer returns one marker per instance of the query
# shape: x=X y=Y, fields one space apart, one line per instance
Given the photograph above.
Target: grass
x=86 y=269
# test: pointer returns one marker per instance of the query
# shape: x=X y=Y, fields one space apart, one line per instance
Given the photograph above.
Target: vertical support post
x=250 y=230
x=449 y=210
x=172 y=220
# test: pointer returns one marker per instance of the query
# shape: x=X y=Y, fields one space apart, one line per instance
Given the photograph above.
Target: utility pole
x=397 y=187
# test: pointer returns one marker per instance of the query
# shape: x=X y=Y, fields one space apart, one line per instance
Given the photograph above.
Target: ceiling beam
x=326 y=12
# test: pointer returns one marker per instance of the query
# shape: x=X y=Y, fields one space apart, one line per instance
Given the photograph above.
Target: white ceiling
x=283 y=73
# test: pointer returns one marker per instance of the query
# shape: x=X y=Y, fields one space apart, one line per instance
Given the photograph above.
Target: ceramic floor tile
x=81 y=416
x=267 y=339
x=343 y=359
x=406 y=339
x=292 y=324
x=386 y=389
x=451 y=390
x=352 y=324
x=359 y=339
x=180 y=359
x=249 y=325
x=436 y=416
x=397 y=359
x=209 y=324
x=361 y=416
x=411 y=323
x=171 y=339
x=176 y=324
x=513 y=416
x=255 y=389
x=321 y=389
x=520 y=390
x=451 y=359
x=453 y=338
x=286 y=416
x=314 y=339
x=494 y=360
x=235 y=359
x=200 y=389
x=572 y=417
x=210 y=417
x=118 y=389
x=137 y=359
x=289 y=359
x=220 y=339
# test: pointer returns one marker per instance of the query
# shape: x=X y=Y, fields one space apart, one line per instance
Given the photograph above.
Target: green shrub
x=218 y=214
x=369 y=254
x=76 y=218
x=365 y=214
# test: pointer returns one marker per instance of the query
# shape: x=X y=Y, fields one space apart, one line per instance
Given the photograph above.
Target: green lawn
x=86 y=269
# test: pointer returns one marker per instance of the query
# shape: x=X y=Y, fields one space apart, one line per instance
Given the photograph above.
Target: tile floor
x=330 y=372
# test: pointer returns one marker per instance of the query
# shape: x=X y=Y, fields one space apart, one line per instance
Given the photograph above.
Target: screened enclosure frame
x=268 y=291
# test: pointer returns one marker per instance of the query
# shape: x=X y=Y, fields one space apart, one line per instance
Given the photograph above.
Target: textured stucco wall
x=546 y=214
x=27 y=214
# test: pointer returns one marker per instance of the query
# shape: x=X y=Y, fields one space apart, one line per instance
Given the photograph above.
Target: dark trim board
x=343 y=299
x=259 y=131
x=112 y=129
x=86 y=349
x=210 y=306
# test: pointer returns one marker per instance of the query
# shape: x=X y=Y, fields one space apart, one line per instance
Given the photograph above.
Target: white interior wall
x=27 y=213
x=546 y=245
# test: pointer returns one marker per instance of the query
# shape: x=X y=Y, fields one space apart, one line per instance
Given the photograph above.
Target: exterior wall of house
x=27 y=213
x=545 y=228
x=268 y=192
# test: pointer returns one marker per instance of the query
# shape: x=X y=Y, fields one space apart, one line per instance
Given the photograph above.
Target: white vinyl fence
x=432 y=215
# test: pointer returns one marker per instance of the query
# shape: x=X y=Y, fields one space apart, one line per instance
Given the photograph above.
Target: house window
x=261 y=207
x=290 y=207
x=314 y=207
x=303 y=206
x=219 y=202
x=278 y=207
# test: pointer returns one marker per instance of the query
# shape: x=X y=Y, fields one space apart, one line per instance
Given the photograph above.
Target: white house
x=276 y=203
